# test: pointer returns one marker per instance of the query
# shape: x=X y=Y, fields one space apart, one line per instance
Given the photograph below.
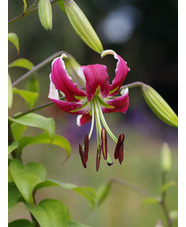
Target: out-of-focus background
x=144 y=33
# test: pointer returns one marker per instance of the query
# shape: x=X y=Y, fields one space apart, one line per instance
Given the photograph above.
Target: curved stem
x=35 y=68
x=28 y=12
x=132 y=85
x=36 y=108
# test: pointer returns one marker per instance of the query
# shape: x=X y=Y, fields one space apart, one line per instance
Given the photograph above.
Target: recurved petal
x=96 y=76
x=120 y=104
x=120 y=72
x=83 y=119
x=63 y=82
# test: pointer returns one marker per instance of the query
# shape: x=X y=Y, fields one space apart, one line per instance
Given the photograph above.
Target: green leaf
x=21 y=62
x=151 y=200
x=13 y=146
x=61 y=5
x=76 y=224
x=12 y=37
x=87 y=192
x=26 y=177
x=13 y=195
x=17 y=130
x=38 y=121
x=21 y=223
x=10 y=93
x=28 y=96
x=103 y=191
x=168 y=185
x=49 y=213
x=45 y=139
x=32 y=84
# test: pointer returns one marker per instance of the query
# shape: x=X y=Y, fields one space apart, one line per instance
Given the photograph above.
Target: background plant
x=18 y=189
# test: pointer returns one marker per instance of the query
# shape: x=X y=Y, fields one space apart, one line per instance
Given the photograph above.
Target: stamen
x=86 y=142
x=104 y=143
x=92 y=123
x=82 y=156
x=98 y=158
x=118 y=154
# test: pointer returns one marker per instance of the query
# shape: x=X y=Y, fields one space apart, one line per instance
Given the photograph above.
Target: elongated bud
x=104 y=143
x=98 y=157
x=82 y=26
x=118 y=154
x=166 y=158
x=159 y=106
x=73 y=67
x=45 y=14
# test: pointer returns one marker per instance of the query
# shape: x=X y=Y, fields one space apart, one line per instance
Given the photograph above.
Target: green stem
x=35 y=68
x=36 y=109
x=132 y=85
x=132 y=186
x=163 y=202
x=30 y=10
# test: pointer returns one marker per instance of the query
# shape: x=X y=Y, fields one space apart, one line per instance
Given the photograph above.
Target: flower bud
x=166 y=157
x=159 y=106
x=82 y=26
x=45 y=14
x=10 y=93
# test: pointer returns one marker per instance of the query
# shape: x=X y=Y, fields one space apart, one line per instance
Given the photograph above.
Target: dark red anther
x=104 y=143
x=86 y=148
x=82 y=156
x=118 y=154
x=98 y=157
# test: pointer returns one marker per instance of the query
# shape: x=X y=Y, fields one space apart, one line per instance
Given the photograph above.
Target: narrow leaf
x=103 y=192
x=38 y=121
x=24 y=6
x=168 y=185
x=76 y=224
x=61 y=5
x=21 y=223
x=10 y=93
x=32 y=84
x=49 y=213
x=13 y=195
x=26 y=177
x=13 y=146
x=28 y=96
x=151 y=200
x=44 y=138
x=12 y=37
x=87 y=192
x=22 y=62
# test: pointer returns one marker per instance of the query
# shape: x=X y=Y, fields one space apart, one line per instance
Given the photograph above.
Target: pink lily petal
x=63 y=82
x=71 y=107
x=83 y=119
x=121 y=72
x=96 y=76
x=120 y=104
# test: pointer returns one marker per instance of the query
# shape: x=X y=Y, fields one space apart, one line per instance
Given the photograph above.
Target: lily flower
x=89 y=95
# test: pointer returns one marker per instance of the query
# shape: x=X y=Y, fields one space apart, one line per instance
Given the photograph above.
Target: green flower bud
x=82 y=26
x=166 y=158
x=45 y=14
x=159 y=106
